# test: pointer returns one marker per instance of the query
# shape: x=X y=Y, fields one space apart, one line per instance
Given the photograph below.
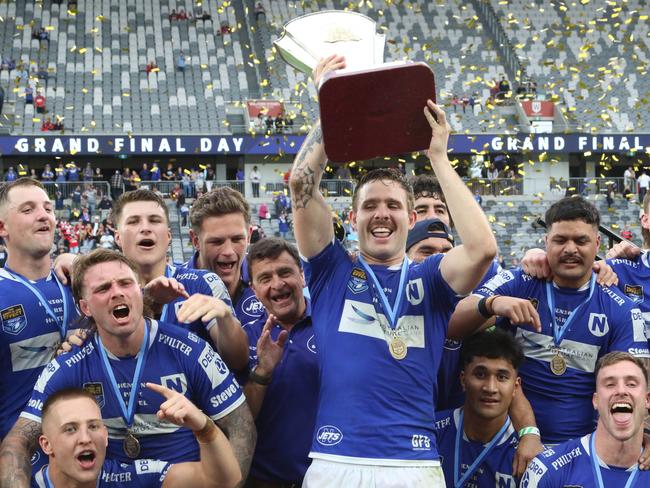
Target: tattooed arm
x=311 y=214
x=239 y=428
x=16 y=452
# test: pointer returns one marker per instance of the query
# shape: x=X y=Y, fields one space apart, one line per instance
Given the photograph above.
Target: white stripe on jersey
x=361 y=318
x=33 y=352
x=578 y=355
x=143 y=425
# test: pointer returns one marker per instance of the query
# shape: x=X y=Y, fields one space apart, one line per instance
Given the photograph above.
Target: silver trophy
x=308 y=38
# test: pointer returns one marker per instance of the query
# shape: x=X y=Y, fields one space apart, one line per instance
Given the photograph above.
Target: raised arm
x=465 y=265
x=16 y=452
x=311 y=215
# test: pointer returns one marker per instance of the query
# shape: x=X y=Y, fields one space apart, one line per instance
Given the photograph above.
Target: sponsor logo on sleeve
x=533 y=475
x=13 y=319
x=97 y=390
x=329 y=435
x=358 y=282
x=634 y=293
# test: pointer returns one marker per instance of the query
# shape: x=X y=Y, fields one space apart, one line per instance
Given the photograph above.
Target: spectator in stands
x=29 y=95
x=88 y=172
x=455 y=102
x=464 y=102
x=643 y=182
x=145 y=174
x=11 y=174
x=151 y=67
x=478 y=198
x=90 y=197
x=169 y=173
x=73 y=171
x=47 y=174
x=504 y=88
x=239 y=176
x=173 y=15
x=283 y=224
x=61 y=173
x=21 y=74
x=98 y=176
x=58 y=123
x=117 y=184
x=39 y=103
x=75 y=196
x=210 y=178
x=155 y=172
x=180 y=65
x=107 y=240
x=629 y=181
x=105 y=203
x=256 y=178
x=260 y=11
x=225 y=28
x=263 y=211
x=47 y=125
x=182 y=14
x=204 y=16
x=626 y=233
x=279 y=124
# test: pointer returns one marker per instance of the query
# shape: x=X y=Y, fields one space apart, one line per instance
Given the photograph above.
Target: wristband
x=482 y=308
x=259 y=379
x=529 y=430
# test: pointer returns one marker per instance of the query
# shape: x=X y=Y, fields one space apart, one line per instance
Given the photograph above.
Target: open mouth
x=621 y=412
x=121 y=311
x=226 y=266
x=146 y=244
x=86 y=459
x=281 y=297
x=381 y=232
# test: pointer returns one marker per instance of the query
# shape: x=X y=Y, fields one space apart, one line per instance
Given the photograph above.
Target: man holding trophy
x=380 y=321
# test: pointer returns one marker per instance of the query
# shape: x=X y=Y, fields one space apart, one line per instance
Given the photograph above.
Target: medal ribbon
x=595 y=466
x=486 y=450
x=550 y=302
x=128 y=413
x=165 y=309
x=61 y=324
x=380 y=297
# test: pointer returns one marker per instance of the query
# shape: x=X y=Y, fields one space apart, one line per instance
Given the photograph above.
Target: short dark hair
x=140 y=195
x=270 y=248
x=616 y=357
x=216 y=203
x=65 y=394
x=390 y=174
x=427 y=186
x=572 y=208
x=492 y=344
x=86 y=261
x=5 y=188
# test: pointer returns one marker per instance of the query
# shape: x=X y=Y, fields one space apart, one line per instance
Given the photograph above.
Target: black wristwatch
x=259 y=379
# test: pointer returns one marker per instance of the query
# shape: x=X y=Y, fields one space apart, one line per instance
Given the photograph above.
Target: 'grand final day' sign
x=290 y=144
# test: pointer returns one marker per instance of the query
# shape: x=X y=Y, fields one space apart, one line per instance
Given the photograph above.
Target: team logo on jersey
x=634 y=293
x=328 y=435
x=598 y=324
x=252 y=306
x=311 y=344
x=452 y=345
x=176 y=382
x=358 y=282
x=415 y=292
x=534 y=302
x=97 y=390
x=14 y=319
x=504 y=480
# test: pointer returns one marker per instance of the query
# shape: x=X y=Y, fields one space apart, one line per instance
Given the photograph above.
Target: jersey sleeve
x=506 y=282
x=252 y=330
x=51 y=380
x=629 y=335
x=150 y=473
x=327 y=268
x=438 y=289
x=215 y=389
x=536 y=475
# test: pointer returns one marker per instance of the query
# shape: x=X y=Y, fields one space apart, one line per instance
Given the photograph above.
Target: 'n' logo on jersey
x=14 y=319
x=415 y=291
x=358 y=282
x=634 y=293
x=97 y=390
x=598 y=325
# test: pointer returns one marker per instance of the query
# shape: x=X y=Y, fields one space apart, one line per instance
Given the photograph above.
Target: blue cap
x=428 y=228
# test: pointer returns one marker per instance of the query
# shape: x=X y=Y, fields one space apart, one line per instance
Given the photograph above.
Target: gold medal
x=558 y=364
x=398 y=348
x=131 y=446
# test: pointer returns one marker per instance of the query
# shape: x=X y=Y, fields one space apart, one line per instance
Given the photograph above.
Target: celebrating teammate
x=379 y=322
x=75 y=438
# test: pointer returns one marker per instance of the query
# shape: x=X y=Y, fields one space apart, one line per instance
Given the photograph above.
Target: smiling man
x=220 y=231
x=606 y=458
x=75 y=438
x=127 y=350
x=282 y=365
x=580 y=321
x=36 y=309
x=477 y=442
x=379 y=320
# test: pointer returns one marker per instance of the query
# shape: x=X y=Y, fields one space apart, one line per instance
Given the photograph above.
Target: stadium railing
x=67 y=188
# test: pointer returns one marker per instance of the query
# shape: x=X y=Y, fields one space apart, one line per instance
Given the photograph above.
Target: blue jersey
x=28 y=339
x=569 y=465
x=496 y=469
x=373 y=408
x=143 y=473
x=608 y=322
x=247 y=307
x=175 y=358
x=288 y=413
x=450 y=392
x=194 y=281
x=634 y=282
